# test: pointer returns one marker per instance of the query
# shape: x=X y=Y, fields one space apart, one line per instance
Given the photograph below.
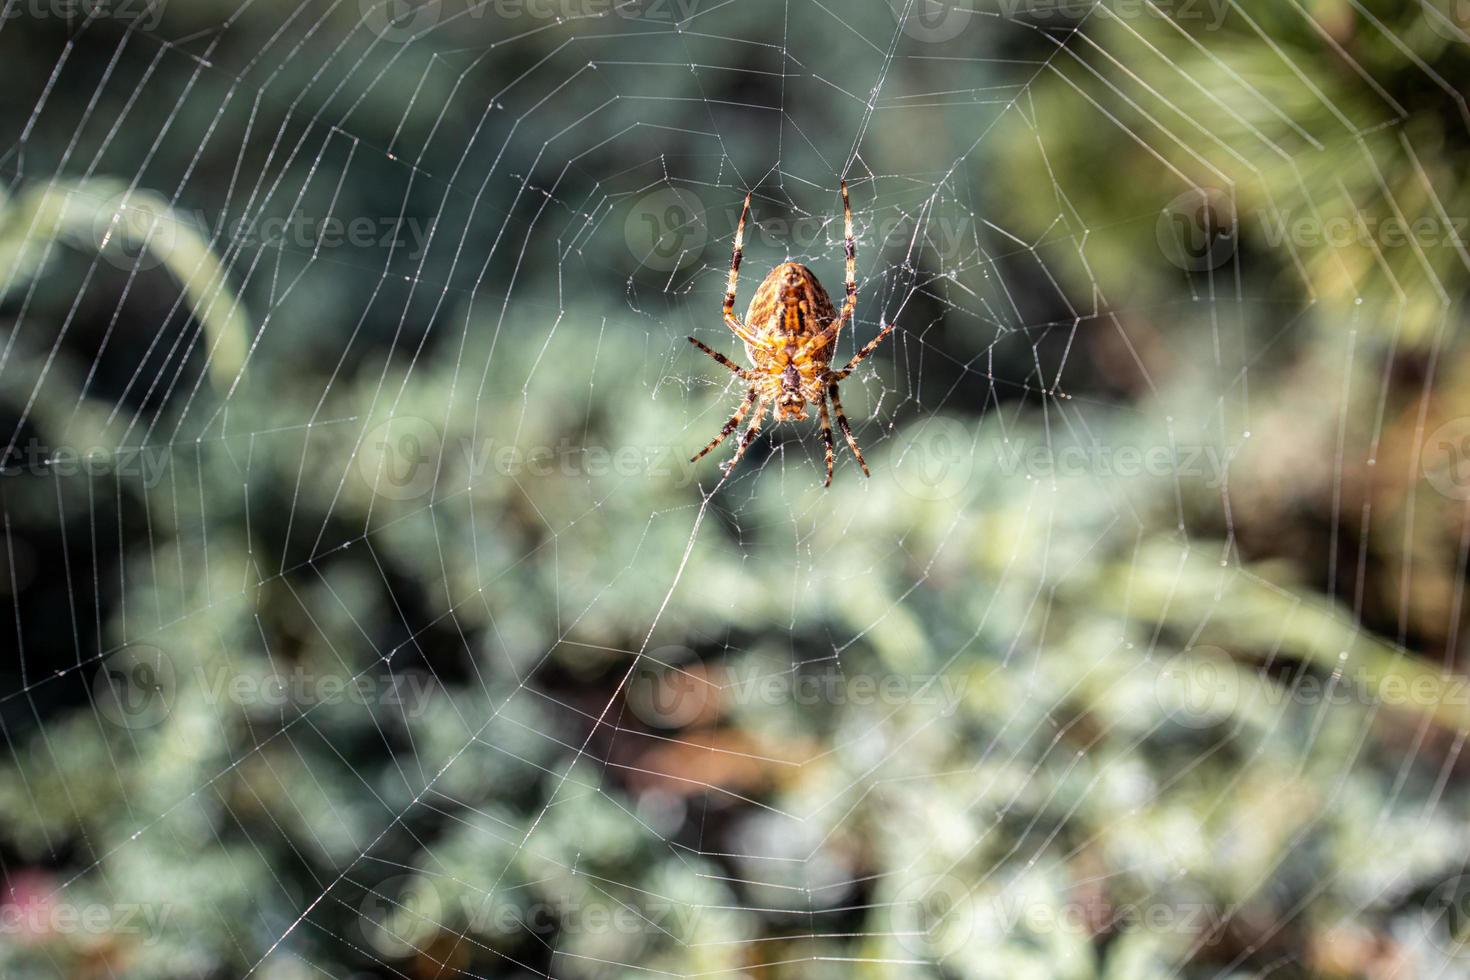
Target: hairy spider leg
x=731 y=320
x=827 y=441
x=849 y=302
x=846 y=429
x=868 y=348
x=749 y=435
x=747 y=375
x=849 y=247
x=728 y=427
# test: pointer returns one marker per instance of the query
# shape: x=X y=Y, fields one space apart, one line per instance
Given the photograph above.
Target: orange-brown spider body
x=790 y=332
x=790 y=315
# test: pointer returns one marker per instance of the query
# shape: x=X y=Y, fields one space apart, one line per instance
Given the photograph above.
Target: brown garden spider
x=790 y=333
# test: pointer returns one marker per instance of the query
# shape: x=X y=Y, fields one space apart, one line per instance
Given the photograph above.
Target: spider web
x=369 y=619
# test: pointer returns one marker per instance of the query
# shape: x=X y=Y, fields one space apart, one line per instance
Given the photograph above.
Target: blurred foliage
x=1158 y=725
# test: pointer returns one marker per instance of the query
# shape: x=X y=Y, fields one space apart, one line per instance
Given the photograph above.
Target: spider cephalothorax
x=790 y=333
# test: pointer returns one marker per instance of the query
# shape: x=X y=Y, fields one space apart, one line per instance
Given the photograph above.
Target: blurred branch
x=135 y=230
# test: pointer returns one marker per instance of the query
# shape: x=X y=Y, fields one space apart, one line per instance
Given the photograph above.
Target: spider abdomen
x=790 y=305
x=790 y=309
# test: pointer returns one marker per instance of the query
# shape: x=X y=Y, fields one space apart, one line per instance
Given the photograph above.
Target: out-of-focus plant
x=564 y=714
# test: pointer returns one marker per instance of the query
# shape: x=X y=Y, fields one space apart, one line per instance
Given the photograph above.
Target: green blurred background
x=364 y=619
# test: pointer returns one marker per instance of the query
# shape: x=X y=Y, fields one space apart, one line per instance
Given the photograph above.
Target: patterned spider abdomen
x=788 y=311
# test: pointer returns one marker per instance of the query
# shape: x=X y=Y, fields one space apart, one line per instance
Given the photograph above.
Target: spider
x=790 y=333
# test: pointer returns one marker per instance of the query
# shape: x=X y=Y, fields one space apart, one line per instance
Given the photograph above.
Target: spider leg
x=849 y=303
x=722 y=359
x=827 y=441
x=727 y=428
x=850 y=250
x=741 y=330
x=868 y=348
x=731 y=320
x=812 y=347
x=748 y=436
x=846 y=429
